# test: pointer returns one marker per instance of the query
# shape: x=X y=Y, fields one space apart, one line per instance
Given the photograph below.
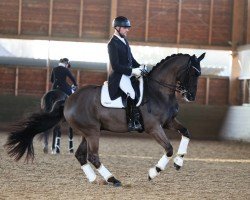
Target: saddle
x=119 y=102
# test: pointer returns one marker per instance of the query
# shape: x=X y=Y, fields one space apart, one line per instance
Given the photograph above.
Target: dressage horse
x=47 y=101
x=83 y=111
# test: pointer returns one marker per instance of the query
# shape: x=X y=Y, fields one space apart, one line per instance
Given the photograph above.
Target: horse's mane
x=165 y=59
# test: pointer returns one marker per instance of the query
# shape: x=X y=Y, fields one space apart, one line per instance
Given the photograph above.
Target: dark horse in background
x=84 y=112
x=47 y=102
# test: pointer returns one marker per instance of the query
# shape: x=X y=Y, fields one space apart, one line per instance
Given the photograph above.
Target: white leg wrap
x=183 y=145
x=162 y=163
x=178 y=161
x=104 y=172
x=152 y=172
x=89 y=172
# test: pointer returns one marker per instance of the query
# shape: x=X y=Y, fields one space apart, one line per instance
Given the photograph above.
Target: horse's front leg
x=160 y=136
x=185 y=138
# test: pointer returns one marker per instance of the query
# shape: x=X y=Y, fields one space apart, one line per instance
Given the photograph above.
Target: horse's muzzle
x=188 y=96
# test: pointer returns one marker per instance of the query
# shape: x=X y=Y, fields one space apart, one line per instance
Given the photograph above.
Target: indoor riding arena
x=212 y=161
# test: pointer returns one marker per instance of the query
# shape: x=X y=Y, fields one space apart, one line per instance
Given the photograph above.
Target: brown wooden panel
x=96 y=19
x=35 y=17
x=9 y=16
x=219 y=90
x=222 y=22
x=163 y=17
x=201 y=91
x=195 y=22
x=162 y=20
x=32 y=81
x=7 y=80
x=65 y=18
x=92 y=77
x=136 y=12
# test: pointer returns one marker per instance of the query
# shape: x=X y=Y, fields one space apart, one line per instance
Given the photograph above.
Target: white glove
x=136 y=72
x=142 y=67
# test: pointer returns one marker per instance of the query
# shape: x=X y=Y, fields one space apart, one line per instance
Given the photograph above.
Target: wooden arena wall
x=34 y=81
x=154 y=22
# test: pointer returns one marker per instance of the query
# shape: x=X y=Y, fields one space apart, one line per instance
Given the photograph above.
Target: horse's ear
x=201 y=57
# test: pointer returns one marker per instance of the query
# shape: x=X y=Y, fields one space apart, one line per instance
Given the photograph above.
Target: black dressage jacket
x=122 y=62
x=58 y=79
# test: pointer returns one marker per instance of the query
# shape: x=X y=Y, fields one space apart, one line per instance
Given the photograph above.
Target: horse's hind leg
x=182 y=150
x=56 y=139
x=71 y=147
x=45 y=141
x=81 y=155
x=93 y=157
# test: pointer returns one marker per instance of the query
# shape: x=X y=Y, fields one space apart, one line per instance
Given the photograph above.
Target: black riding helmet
x=121 y=22
x=65 y=61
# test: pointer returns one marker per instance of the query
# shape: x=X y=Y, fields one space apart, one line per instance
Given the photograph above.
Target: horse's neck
x=164 y=79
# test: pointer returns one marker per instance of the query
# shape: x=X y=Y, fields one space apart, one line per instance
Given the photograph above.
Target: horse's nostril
x=190 y=97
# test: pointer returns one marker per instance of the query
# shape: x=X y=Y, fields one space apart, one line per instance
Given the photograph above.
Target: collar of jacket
x=120 y=38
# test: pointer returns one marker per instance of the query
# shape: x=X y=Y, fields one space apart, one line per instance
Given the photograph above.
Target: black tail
x=21 y=139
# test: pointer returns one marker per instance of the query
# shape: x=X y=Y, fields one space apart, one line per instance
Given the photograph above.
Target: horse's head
x=188 y=80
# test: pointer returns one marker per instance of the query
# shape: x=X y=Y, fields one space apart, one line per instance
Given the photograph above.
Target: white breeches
x=126 y=86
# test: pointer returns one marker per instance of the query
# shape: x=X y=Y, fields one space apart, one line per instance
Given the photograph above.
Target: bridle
x=180 y=87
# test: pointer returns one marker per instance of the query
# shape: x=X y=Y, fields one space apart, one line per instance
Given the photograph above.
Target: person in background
x=59 y=77
x=123 y=67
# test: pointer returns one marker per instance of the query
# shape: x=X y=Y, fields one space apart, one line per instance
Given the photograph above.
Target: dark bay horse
x=47 y=101
x=83 y=111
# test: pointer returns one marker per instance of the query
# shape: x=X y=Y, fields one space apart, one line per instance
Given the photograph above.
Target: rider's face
x=124 y=31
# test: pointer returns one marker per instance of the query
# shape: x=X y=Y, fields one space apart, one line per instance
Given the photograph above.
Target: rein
x=179 y=87
x=170 y=86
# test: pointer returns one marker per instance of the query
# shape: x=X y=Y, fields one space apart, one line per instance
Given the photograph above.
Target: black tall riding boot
x=133 y=116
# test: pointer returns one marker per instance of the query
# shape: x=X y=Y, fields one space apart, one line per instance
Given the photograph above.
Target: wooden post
x=147 y=20
x=179 y=23
x=207 y=90
x=112 y=16
x=80 y=19
x=211 y=22
x=50 y=17
x=248 y=91
x=47 y=79
x=248 y=22
x=16 y=81
x=237 y=27
x=19 y=18
x=78 y=77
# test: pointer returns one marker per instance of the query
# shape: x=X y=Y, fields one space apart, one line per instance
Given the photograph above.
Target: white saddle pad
x=117 y=103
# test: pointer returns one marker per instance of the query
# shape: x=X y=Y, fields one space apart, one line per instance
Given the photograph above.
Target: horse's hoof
x=117 y=184
x=71 y=151
x=149 y=178
x=177 y=167
x=114 y=181
x=54 y=152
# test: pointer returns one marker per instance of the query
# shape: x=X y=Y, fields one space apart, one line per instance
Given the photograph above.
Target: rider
x=59 y=75
x=123 y=67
